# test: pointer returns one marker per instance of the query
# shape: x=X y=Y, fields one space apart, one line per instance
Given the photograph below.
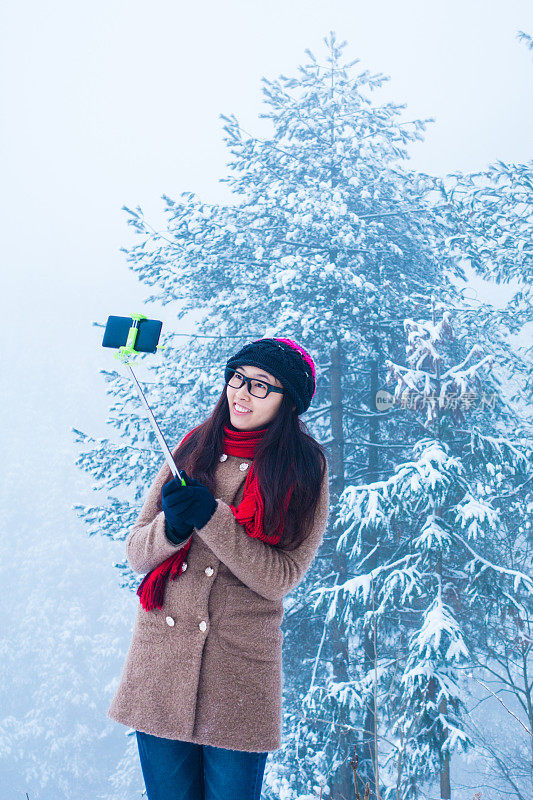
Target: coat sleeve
x=271 y=572
x=147 y=544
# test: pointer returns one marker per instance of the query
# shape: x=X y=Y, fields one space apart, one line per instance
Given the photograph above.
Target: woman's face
x=261 y=410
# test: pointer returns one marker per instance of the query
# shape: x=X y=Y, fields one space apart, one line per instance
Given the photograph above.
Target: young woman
x=202 y=682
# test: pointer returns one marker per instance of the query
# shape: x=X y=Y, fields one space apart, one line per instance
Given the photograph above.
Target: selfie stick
x=123 y=355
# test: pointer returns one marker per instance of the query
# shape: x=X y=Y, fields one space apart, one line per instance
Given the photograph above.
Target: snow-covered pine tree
x=490 y=216
x=330 y=241
x=502 y=652
x=447 y=566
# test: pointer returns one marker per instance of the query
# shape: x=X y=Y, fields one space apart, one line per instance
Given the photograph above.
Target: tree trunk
x=337 y=431
x=342 y=780
x=445 y=788
x=369 y=750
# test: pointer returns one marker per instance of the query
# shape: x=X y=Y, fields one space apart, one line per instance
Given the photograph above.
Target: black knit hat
x=287 y=361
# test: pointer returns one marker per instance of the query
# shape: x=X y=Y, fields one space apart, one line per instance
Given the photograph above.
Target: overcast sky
x=115 y=102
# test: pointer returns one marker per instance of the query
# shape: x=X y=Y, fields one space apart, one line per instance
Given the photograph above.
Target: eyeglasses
x=256 y=387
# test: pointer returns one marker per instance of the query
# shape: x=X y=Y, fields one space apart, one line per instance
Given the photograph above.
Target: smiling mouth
x=241 y=409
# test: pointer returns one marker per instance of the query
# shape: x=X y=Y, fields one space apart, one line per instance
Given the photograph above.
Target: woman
x=202 y=682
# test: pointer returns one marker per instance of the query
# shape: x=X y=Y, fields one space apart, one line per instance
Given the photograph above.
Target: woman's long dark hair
x=286 y=453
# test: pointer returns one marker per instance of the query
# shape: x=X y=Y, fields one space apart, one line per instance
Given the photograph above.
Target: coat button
x=223 y=457
x=203 y=625
x=184 y=566
x=243 y=466
x=209 y=571
x=170 y=621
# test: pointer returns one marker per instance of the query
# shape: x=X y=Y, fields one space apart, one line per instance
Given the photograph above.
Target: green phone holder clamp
x=123 y=353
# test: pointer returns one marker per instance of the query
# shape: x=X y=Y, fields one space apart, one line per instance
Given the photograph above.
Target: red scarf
x=248 y=513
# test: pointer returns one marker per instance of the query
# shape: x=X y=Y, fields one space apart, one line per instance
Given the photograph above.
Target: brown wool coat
x=207 y=666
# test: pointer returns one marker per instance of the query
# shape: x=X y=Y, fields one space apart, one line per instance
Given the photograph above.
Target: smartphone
x=117 y=329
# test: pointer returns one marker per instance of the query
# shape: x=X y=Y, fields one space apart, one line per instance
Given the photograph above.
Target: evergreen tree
x=331 y=241
x=448 y=564
x=490 y=216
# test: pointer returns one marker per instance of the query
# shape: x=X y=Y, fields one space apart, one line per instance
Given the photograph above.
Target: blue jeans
x=176 y=770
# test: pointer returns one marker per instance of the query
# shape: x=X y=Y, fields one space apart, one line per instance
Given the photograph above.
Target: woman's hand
x=187 y=507
x=176 y=529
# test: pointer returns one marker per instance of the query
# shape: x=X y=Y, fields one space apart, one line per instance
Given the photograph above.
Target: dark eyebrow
x=259 y=375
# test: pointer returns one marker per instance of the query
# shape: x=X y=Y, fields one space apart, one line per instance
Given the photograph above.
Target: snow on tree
x=329 y=237
x=331 y=241
x=490 y=216
x=447 y=565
